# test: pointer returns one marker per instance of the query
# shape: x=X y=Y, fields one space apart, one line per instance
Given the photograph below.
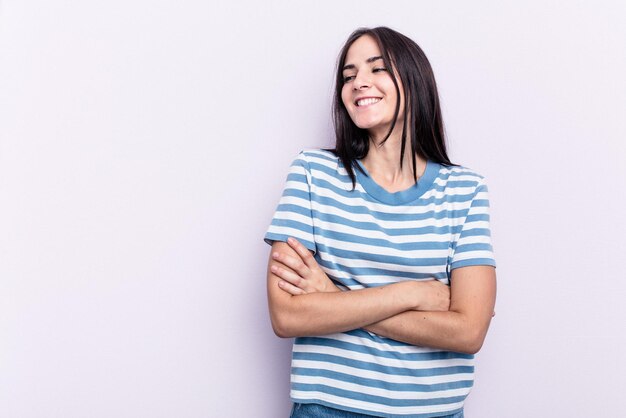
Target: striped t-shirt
x=371 y=237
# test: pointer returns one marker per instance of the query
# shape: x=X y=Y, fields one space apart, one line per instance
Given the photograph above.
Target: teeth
x=368 y=101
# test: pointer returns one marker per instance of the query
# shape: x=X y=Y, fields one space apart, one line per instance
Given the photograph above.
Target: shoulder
x=314 y=164
x=318 y=160
x=459 y=172
x=317 y=155
x=460 y=175
x=461 y=183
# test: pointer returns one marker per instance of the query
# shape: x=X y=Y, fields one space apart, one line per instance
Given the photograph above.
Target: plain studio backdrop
x=144 y=146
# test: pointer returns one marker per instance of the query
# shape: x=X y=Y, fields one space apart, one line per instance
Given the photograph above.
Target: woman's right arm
x=323 y=313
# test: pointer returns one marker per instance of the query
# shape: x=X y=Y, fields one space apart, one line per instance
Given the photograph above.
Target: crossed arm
x=303 y=301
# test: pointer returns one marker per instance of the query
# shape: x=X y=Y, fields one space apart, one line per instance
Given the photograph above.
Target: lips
x=367 y=101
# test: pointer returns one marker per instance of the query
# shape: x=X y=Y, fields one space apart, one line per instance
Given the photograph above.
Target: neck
x=383 y=160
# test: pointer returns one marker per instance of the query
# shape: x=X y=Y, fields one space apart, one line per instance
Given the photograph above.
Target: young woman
x=381 y=263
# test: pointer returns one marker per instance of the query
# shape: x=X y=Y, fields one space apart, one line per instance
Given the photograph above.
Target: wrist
x=409 y=295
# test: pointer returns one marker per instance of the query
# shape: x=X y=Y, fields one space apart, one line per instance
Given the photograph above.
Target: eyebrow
x=369 y=60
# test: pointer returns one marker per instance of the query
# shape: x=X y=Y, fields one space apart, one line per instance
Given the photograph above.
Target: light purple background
x=144 y=146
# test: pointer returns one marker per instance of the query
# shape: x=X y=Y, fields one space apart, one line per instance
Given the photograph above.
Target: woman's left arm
x=462 y=328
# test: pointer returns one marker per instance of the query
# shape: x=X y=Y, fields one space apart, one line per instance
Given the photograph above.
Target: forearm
x=447 y=330
x=326 y=313
x=462 y=328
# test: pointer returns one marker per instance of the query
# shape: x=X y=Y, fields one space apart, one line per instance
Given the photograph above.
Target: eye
x=379 y=69
x=348 y=78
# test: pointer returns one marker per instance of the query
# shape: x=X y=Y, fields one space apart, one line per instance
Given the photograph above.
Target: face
x=368 y=92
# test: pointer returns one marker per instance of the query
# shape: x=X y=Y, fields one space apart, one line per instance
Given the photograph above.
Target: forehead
x=363 y=48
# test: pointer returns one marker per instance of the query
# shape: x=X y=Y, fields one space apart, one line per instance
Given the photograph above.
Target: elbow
x=472 y=347
x=469 y=334
x=281 y=327
x=472 y=341
x=281 y=332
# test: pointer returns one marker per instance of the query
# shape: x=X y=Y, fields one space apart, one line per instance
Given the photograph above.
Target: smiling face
x=368 y=92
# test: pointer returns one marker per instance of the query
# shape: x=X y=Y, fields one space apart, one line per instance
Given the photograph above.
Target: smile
x=367 y=101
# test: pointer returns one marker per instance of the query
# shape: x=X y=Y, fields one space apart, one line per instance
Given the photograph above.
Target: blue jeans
x=313 y=410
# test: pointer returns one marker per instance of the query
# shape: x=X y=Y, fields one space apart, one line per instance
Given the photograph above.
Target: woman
x=381 y=263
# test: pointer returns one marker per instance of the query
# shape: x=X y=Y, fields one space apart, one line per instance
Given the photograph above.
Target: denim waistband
x=314 y=410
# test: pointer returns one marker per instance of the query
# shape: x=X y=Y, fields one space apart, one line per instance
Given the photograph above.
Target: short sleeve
x=294 y=216
x=473 y=245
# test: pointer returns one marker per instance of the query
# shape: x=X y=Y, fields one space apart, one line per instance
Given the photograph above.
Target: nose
x=361 y=81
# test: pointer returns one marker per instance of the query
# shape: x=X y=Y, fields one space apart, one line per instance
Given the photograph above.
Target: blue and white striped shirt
x=371 y=237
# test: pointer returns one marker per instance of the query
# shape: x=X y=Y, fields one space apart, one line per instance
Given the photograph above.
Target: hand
x=433 y=296
x=303 y=274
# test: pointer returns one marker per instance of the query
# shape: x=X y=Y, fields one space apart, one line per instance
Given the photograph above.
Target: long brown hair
x=421 y=103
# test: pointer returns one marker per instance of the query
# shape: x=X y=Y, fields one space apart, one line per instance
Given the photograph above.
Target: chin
x=368 y=124
x=375 y=128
